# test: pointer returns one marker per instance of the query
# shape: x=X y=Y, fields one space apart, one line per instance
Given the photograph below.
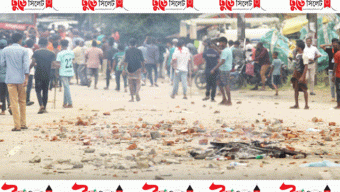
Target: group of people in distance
x=51 y=61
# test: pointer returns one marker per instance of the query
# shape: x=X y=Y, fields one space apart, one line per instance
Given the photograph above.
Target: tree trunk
x=241 y=26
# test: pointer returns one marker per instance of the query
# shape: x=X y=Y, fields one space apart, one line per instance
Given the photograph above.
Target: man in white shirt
x=30 y=44
x=313 y=54
x=182 y=64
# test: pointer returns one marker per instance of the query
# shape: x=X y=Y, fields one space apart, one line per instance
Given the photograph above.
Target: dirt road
x=59 y=144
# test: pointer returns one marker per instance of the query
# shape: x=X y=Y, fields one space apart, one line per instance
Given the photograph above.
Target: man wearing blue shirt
x=224 y=66
x=16 y=60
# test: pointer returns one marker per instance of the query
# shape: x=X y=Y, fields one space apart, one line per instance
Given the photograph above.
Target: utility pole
x=241 y=27
x=313 y=32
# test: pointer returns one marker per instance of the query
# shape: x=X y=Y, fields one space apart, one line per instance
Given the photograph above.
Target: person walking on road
x=336 y=76
x=42 y=61
x=110 y=52
x=211 y=60
x=16 y=60
x=263 y=61
x=118 y=60
x=224 y=66
x=134 y=65
x=182 y=64
x=79 y=58
x=29 y=45
x=151 y=60
x=299 y=75
x=331 y=50
x=4 y=97
x=66 y=72
x=94 y=58
x=313 y=54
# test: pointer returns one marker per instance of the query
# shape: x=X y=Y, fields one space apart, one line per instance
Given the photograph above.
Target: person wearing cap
x=3 y=87
x=224 y=66
x=16 y=59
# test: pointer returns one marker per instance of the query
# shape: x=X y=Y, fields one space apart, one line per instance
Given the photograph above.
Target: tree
x=141 y=25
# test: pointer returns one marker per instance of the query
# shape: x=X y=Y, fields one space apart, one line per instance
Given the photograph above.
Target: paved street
x=99 y=150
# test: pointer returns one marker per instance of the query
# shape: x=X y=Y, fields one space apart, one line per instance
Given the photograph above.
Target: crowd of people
x=53 y=59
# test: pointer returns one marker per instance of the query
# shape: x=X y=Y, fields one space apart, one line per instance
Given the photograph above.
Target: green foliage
x=141 y=25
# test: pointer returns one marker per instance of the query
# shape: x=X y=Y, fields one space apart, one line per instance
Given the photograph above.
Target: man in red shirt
x=336 y=78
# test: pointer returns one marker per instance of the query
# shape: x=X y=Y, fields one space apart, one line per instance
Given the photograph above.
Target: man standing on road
x=3 y=87
x=182 y=64
x=313 y=54
x=238 y=55
x=336 y=76
x=30 y=44
x=118 y=60
x=211 y=60
x=42 y=61
x=299 y=75
x=225 y=66
x=94 y=58
x=331 y=50
x=66 y=72
x=110 y=52
x=151 y=60
x=143 y=49
x=79 y=59
x=16 y=59
x=134 y=65
x=171 y=52
x=262 y=59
